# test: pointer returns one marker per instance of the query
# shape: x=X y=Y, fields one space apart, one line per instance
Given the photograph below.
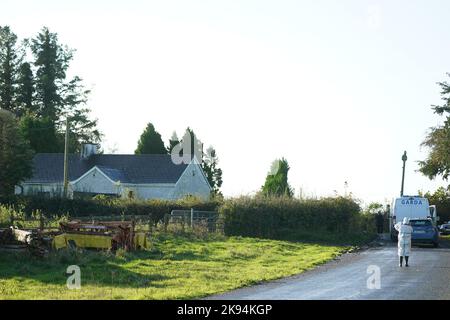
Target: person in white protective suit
x=404 y=240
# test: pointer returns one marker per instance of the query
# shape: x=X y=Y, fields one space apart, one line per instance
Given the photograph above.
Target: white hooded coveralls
x=404 y=237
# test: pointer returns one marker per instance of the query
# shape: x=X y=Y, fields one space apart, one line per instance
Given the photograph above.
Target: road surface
x=428 y=277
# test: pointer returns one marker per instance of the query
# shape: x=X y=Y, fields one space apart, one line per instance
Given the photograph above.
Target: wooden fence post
x=133 y=224
x=183 y=222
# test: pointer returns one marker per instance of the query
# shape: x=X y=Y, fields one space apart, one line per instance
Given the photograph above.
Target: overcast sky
x=338 y=88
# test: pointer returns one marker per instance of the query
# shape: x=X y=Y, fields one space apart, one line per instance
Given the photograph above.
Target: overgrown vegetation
x=14 y=216
x=103 y=206
x=334 y=220
x=294 y=219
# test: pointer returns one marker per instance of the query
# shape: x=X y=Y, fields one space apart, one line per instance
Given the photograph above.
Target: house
x=132 y=176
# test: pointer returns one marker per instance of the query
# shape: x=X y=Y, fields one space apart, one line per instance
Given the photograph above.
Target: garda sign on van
x=412 y=201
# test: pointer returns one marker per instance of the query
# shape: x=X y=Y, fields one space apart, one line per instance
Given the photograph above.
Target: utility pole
x=404 y=158
x=66 y=160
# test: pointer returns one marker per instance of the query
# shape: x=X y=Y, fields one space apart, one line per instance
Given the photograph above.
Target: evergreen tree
x=150 y=142
x=59 y=98
x=52 y=61
x=15 y=154
x=194 y=148
x=209 y=161
x=82 y=128
x=173 y=141
x=212 y=171
x=277 y=180
x=9 y=61
x=41 y=134
x=25 y=89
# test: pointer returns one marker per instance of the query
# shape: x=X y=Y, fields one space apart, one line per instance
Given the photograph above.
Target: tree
x=57 y=97
x=173 y=141
x=83 y=128
x=41 y=134
x=191 y=146
x=212 y=171
x=277 y=180
x=150 y=142
x=438 y=140
x=441 y=199
x=52 y=61
x=374 y=208
x=25 y=89
x=9 y=61
x=15 y=154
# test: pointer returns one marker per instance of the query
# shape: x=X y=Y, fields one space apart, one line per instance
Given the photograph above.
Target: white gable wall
x=96 y=182
x=149 y=191
x=192 y=182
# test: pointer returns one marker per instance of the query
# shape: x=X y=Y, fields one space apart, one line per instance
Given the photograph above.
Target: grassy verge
x=177 y=267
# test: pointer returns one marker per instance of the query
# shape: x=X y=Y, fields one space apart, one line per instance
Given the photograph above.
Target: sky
x=338 y=88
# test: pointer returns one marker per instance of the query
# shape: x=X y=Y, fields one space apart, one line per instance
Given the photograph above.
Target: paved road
x=428 y=277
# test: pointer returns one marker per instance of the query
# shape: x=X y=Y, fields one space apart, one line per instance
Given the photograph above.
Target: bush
x=5 y=215
x=101 y=206
x=440 y=198
x=283 y=218
x=366 y=222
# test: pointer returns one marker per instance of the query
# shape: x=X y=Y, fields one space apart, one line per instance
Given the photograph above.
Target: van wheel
x=435 y=244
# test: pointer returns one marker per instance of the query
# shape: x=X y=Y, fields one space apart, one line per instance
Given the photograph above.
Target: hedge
x=51 y=207
x=278 y=218
x=263 y=217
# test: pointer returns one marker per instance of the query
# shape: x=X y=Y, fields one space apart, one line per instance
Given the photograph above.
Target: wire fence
x=195 y=219
x=209 y=221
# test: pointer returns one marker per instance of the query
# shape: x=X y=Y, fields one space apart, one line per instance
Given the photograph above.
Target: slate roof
x=136 y=169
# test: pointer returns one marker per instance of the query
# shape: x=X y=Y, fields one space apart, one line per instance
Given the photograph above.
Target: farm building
x=133 y=176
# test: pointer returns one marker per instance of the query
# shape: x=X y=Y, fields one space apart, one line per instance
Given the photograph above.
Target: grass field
x=177 y=267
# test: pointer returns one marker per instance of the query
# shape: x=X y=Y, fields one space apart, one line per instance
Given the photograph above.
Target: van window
x=420 y=223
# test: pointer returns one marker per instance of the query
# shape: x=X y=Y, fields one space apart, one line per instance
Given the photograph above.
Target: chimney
x=88 y=150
